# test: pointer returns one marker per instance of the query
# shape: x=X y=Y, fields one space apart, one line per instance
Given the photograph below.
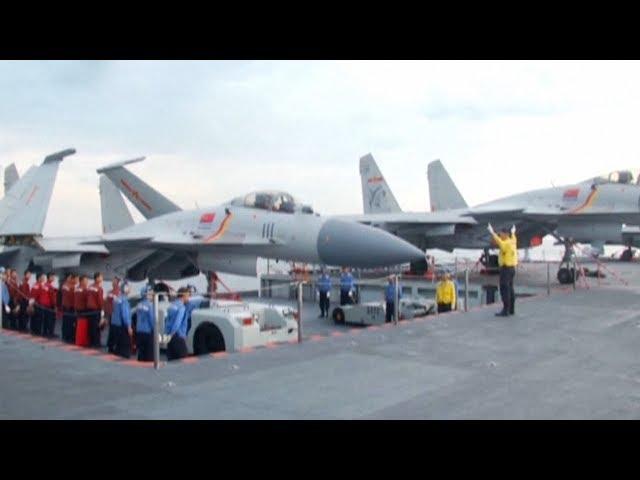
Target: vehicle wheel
x=626 y=256
x=207 y=339
x=338 y=315
x=566 y=275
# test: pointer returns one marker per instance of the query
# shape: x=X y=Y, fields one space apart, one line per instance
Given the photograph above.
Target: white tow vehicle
x=373 y=313
x=228 y=325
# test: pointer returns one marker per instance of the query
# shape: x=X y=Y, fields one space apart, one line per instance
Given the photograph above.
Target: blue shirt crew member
x=346 y=287
x=390 y=298
x=122 y=316
x=190 y=306
x=5 y=299
x=176 y=325
x=324 y=291
x=145 y=324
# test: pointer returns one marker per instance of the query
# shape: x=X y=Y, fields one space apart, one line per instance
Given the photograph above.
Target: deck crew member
x=145 y=324
x=6 y=310
x=122 y=316
x=346 y=287
x=39 y=301
x=446 y=294
x=390 y=298
x=507 y=260
x=95 y=301
x=108 y=313
x=195 y=301
x=25 y=293
x=324 y=291
x=14 y=298
x=49 y=313
x=66 y=302
x=176 y=326
x=80 y=300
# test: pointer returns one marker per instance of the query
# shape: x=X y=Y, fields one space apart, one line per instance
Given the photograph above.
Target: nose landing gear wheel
x=338 y=316
x=566 y=275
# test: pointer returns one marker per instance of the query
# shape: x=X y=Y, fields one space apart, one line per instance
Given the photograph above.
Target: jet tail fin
x=443 y=194
x=376 y=194
x=11 y=176
x=149 y=202
x=115 y=214
x=23 y=209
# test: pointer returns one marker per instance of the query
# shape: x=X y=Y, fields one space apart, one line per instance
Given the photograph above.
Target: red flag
x=207 y=217
x=571 y=193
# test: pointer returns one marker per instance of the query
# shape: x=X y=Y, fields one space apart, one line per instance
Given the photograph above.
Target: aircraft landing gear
x=567 y=272
x=490 y=263
x=627 y=255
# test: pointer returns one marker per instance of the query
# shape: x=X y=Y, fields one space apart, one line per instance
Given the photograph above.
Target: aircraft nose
x=352 y=244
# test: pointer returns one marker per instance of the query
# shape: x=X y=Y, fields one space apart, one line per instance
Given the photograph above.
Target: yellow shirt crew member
x=507 y=260
x=508 y=255
x=446 y=294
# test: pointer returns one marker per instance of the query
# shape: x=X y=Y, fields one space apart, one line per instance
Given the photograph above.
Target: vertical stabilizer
x=376 y=194
x=115 y=214
x=443 y=194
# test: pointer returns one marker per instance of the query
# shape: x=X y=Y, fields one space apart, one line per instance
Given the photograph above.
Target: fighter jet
x=230 y=237
x=592 y=211
x=176 y=244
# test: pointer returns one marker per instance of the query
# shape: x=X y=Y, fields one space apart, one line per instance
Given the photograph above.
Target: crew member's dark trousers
x=94 y=328
x=144 y=345
x=5 y=317
x=123 y=346
x=506 y=289
x=112 y=338
x=48 y=321
x=444 y=307
x=23 y=317
x=13 y=317
x=36 y=321
x=177 y=348
x=68 y=332
x=391 y=311
x=73 y=325
x=345 y=299
x=324 y=304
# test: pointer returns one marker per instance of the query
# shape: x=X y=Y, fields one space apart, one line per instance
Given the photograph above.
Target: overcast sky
x=215 y=130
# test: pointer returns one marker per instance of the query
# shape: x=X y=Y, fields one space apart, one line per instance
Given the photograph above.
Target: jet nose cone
x=352 y=244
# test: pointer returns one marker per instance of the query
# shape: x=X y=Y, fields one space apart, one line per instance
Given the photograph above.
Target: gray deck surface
x=573 y=355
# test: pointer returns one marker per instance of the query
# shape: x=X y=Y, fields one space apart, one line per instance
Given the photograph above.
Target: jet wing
x=180 y=242
x=482 y=215
x=410 y=219
x=72 y=245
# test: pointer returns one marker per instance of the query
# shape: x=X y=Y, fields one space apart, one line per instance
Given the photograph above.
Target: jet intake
x=236 y=264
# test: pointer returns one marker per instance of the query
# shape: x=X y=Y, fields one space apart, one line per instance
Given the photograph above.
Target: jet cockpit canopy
x=272 y=200
x=623 y=177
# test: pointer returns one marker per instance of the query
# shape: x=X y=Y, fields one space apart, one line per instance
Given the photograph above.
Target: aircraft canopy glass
x=271 y=200
x=623 y=177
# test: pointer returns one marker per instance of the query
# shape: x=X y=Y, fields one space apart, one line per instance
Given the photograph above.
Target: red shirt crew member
x=80 y=295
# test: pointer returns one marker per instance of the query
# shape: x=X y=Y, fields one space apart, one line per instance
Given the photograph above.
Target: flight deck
x=570 y=355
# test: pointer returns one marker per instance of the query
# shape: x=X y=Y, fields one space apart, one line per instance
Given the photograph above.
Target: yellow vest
x=508 y=256
x=446 y=292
